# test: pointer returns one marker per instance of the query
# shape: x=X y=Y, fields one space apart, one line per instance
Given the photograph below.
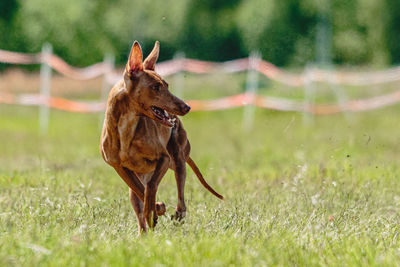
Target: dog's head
x=148 y=91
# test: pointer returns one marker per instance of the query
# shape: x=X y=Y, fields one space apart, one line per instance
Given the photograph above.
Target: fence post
x=109 y=61
x=251 y=90
x=45 y=83
x=179 y=81
x=309 y=96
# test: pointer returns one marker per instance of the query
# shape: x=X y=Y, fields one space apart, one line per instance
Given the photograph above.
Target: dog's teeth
x=165 y=113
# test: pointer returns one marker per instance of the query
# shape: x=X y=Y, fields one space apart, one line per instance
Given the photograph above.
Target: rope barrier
x=202 y=67
x=170 y=67
x=239 y=100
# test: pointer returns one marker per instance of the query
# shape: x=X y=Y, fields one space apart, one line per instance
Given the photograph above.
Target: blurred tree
x=70 y=25
x=210 y=31
x=284 y=31
x=161 y=20
x=392 y=30
x=358 y=27
x=279 y=29
x=8 y=9
x=9 y=37
x=372 y=15
x=82 y=31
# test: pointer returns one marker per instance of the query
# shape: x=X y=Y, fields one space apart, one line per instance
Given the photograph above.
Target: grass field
x=327 y=194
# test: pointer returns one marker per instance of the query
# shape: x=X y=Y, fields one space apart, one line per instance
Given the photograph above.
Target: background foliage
x=364 y=32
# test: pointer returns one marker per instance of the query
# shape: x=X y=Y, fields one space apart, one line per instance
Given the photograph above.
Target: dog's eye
x=156 y=87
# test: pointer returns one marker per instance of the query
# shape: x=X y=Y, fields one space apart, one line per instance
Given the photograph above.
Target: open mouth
x=163 y=116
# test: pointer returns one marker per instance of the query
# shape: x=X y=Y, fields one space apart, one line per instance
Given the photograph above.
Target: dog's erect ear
x=150 y=61
x=135 y=64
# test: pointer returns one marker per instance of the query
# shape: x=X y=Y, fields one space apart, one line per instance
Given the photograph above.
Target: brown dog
x=142 y=137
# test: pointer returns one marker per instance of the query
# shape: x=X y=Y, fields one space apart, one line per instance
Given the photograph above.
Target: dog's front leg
x=131 y=179
x=137 y=206
x=151 y=190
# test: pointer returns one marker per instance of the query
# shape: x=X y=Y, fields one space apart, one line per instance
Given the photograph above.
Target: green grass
x=326 y=194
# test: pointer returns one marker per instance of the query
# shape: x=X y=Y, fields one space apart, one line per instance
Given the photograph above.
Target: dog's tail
x=201 y=179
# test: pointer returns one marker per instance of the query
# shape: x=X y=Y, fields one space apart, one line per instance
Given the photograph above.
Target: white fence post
x=251 y=90
x=109 y=62
x=179 y=79
x=309 y=96
x=45 y=83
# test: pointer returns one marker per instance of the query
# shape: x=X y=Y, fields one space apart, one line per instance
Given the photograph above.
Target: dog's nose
x=185 y=108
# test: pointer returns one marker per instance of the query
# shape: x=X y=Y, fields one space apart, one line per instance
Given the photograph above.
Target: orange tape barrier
x=197 y=66
x=239 y=100
x=202 y=67
x=56 y=63
x=52 y=102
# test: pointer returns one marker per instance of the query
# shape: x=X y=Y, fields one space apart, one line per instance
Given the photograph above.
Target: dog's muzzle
x=185 y=108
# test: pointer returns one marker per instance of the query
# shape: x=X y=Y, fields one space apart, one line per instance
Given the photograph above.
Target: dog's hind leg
x=180 y=177
x=179 y=148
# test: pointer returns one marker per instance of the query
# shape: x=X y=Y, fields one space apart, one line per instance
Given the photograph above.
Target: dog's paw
x=160 y=208
x=178 y=216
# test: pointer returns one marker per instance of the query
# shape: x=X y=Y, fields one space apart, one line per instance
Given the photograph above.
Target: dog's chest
x=150 y=134
x=143 y=143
